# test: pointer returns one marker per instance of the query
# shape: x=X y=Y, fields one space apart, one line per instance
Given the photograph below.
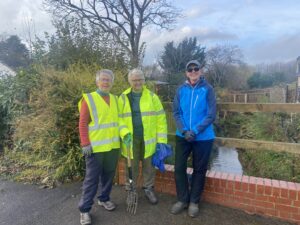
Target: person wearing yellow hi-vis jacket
x=143 y=116
x=100 y=142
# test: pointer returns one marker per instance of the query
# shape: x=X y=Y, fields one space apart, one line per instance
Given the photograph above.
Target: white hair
x=106 y=72
x=136 y=71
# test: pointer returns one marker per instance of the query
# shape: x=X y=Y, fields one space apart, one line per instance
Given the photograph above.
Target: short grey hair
x=106 y=72
x=136 y=71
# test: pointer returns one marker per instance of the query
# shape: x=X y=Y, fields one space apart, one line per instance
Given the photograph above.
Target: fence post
x=246 y=98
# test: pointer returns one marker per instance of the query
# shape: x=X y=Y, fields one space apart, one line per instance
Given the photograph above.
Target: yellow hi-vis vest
x=153 y=119
x=104 y=125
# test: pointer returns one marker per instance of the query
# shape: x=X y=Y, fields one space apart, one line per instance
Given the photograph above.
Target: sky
x=266 y=31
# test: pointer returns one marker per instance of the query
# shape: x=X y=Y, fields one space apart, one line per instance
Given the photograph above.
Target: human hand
x=87 y=150
x=127 y=140
x=189 y=136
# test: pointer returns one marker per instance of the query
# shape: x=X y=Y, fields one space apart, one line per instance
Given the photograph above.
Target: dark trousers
x=200 y=153
x=100 y=171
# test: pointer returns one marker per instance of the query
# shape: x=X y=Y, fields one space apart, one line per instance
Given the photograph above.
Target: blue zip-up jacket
x=194 y=108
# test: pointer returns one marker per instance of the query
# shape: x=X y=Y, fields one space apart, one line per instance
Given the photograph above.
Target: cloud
x=205 y=36
x=283 y=48
x=16 y=18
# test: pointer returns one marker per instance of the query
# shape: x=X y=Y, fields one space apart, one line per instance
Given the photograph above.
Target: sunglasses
x=196 y=69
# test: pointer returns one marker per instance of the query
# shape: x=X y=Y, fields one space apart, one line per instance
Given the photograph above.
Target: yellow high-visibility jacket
x=104 y=126
x=153 y=119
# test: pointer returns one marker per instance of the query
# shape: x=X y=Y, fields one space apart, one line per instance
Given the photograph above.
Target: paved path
x=22 y=204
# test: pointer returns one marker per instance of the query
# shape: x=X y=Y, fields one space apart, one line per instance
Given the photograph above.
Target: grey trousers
x=148 y=171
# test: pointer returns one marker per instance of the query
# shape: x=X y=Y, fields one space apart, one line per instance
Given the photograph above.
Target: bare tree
x=220 y=62
x=123 y=19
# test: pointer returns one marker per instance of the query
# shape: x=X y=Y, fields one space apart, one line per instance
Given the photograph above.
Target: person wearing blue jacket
x=194 y=111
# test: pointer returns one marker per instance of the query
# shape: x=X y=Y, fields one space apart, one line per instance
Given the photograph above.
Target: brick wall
x=255 y=195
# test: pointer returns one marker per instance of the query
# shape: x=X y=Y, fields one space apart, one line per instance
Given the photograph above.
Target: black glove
x=189 y=135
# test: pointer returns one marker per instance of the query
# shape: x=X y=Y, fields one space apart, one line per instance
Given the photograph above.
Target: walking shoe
x=85 y=218
x=178 y=207
x=108 y=205
x=151 y=196
x=193 y=210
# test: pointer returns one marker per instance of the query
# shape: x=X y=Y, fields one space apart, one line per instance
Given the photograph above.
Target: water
x=225 y=159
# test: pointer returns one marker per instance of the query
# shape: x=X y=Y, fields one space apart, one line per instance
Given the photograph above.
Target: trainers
x=193 y=210
x=85 y=218
x=178 y=207
x=151 y=196
x=108 y=205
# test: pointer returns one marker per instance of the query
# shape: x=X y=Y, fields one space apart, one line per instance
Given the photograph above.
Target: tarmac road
x=24 y=204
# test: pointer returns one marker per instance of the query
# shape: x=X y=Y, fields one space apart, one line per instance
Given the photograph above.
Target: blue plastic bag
x=162 y=152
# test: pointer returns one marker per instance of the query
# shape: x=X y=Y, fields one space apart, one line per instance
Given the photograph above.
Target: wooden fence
x=246 y=143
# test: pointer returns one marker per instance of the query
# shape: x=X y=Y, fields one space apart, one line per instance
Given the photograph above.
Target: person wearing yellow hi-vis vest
x=100 y=142
x=143 y=116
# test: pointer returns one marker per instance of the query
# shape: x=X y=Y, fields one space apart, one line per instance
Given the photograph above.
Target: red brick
x=252 y=188
x=296 y=217
x=260 y=181
x=249 y=195
x=231 y=177
x=284 y=208
x=267 y=182
x=292 y=195
x=283 y=201
x=216 y=182
x=284 y=193
x=224 y=176
x=297 y=186
x=210 y=174
x=245 y=179
x=230 y=185
x=284 y=215
x=218 y=175
x=219 y=190
x=276 y=191
x=291 y=186
x=229 y=191
x=283 y=184
x=260 y=189
x=271 y=212
x=296 y=204
x=268 y=190
x=262 y=198
x=275 y=183
x=223 y=183
x=238 y=185
x=263 y=204
x=238 y=178
x=245 y=187
x=252 y=180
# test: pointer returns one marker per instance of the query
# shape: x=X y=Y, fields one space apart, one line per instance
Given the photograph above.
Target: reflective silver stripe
x=160 y=112
x=150 y=113
x=116 y=99
x=123 y=115
x=162 y=135
x=103 y=126
x=106 y=141
x=150 y=141
x=123 y=97
x=93 y=106
x=121 y=127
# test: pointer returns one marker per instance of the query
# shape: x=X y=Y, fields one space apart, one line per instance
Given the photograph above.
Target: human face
x=104 y=82
x=136 y=82
x=192 y=74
